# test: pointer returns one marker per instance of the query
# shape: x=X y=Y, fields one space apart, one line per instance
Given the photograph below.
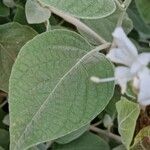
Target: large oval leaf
x=51 y=94
x=12 y=37
x=83 y=8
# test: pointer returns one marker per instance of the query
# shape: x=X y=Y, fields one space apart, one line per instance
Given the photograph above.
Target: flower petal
x=144 y=87
x=142 y=61
x=123 y=43
x=123 y=75
x=118 y=56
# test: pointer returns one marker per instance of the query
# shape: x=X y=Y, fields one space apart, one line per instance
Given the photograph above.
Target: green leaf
x=111 y=107
x=128 y=113
x=20 y=17
x=83 y=8
x=12 y=37
x=87 y=141
x=4 y=11
x=51 y=94
x=35 y=13
x=72 y=136
x=105 y=26
x=9 y=3
x=107 y=121
x=6 y=120
x=1 y=148
x=142 y=140
x=143 y=7
x=4 y=139
x=142 y=28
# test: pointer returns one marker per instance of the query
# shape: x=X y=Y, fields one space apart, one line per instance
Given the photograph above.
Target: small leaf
x=6 y=120
x=20 y=17
x=142 y=140
x=9 y=3
x=35 y=13
x=51 y=94
x=128 y=113
x=143 y=7
x=72 y=136
x=87 y=141
x=107 y=121
x=83 y=8
x=12 y=37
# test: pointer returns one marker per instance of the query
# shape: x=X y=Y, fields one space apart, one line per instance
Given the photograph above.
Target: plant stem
x=97 y=123
x=80 y=25
x=76 y=22
x=3 y=104
x=124 y=6
x=49 y=144
x=106 y=133
x=127 y=3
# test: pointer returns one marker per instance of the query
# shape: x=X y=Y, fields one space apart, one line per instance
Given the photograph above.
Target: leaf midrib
x=43 y=105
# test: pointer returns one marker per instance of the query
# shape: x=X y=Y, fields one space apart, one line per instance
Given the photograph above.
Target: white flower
x=133 y=66
x=144 y=87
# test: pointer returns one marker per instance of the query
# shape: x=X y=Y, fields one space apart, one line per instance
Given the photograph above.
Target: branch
x=80 y=25
x=3 y=104
x=106 y=133
x=76 y=22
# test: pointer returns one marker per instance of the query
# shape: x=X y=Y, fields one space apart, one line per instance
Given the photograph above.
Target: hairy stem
x=76 y=22
x=80 y=25
x=124 y=6
x=3 y=104
x=106 y=133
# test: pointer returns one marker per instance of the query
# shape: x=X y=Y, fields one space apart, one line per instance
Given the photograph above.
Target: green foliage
x=72 y=136
x=143 y=7
x=88 y=141
x=4 y=139
x=128 y=113
x=141 y=141
x=13 y=37
x=52 y=71
x=83 y=8
x=4 y=11
x=142 y=28
x=50 y=50
x=35 y=13
x=105 y=26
